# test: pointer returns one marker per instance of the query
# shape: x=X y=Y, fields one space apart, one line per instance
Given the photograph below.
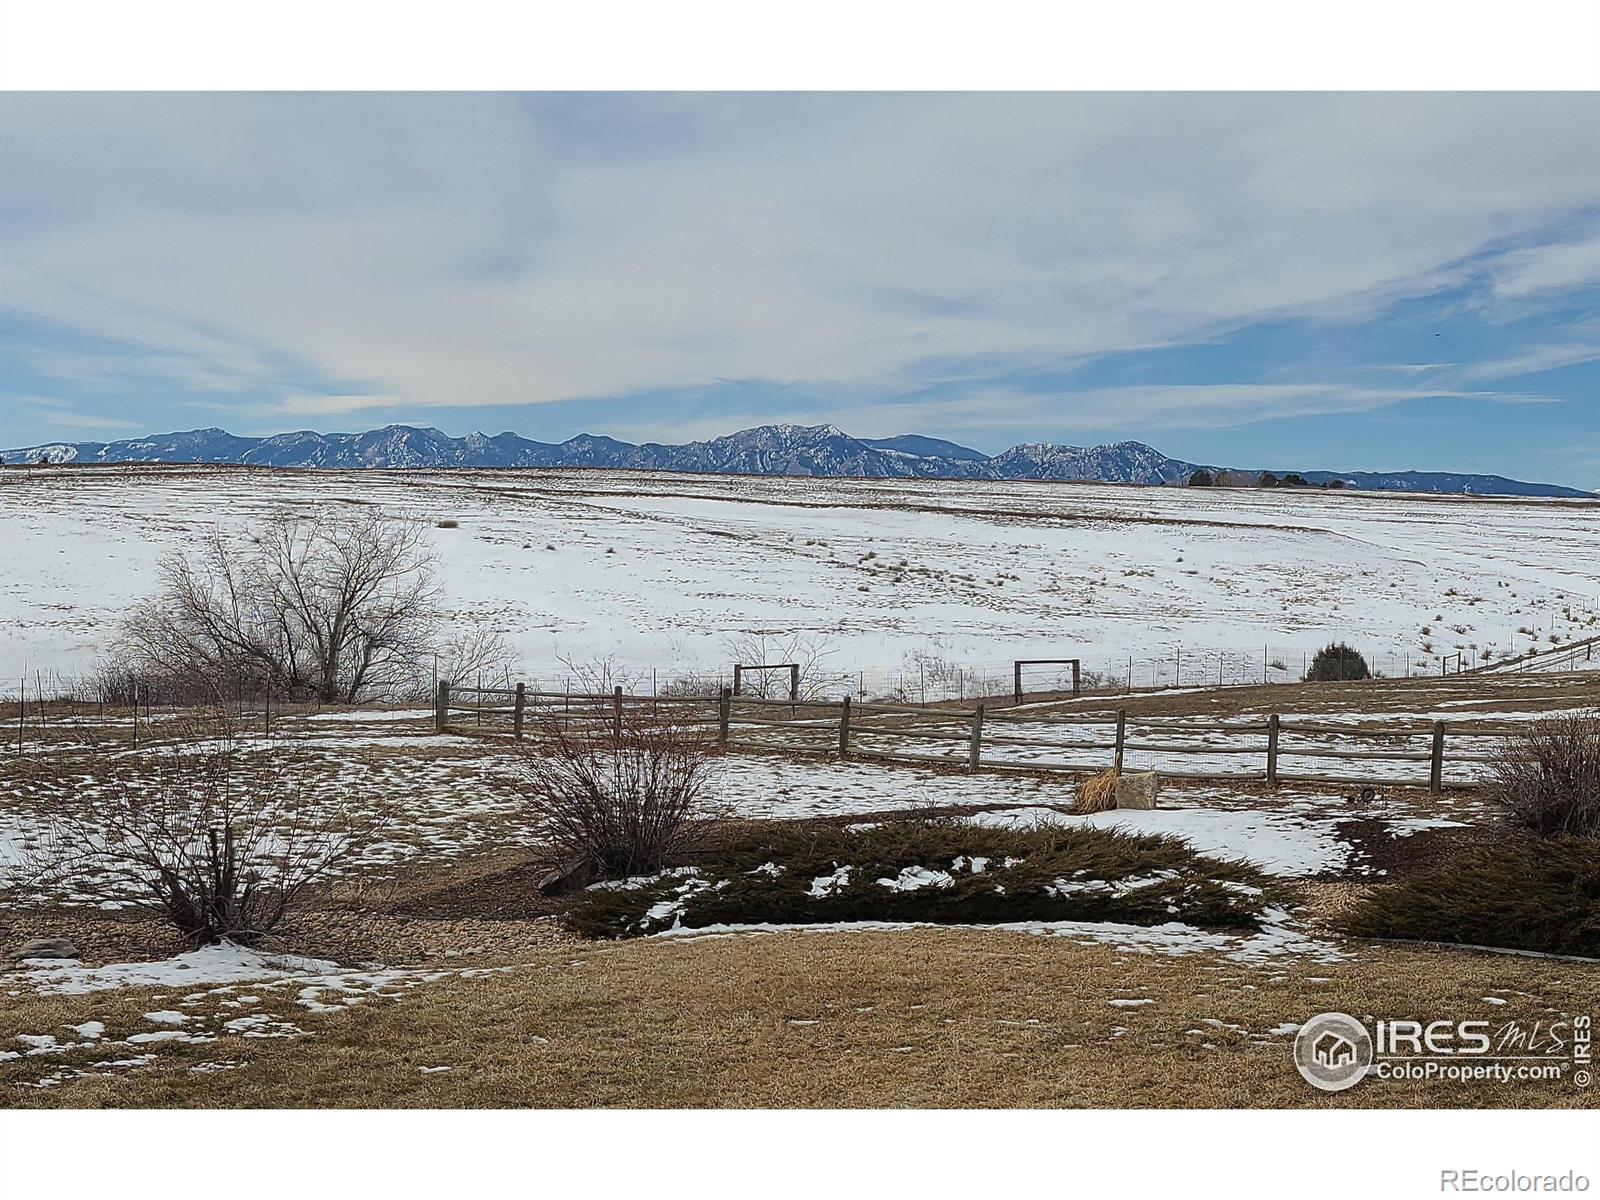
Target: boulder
x=1136 y=790
x=45 y=948
x=575 y=873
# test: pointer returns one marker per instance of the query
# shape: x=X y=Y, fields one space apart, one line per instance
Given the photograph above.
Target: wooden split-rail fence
x=1272 y=750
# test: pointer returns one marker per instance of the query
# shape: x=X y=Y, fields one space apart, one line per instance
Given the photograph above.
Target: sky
x=1352 y=281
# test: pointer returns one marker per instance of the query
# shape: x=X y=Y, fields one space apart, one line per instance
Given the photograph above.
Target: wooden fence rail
x=983 y=740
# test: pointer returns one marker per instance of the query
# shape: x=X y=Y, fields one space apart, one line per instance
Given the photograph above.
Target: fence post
x=1436 y=766
x=516 y=712
x=724 y=712
x=738 y=672
x=977 y=738
x=1122 y=728
x=1074 y=678
x=844 y=727
x=794 y=682
x=616 y=712
x=1016 y=682
x=441 y=708
x=1272 y=750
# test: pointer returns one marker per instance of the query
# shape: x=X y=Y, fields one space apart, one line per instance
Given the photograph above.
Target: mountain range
x=765 y=450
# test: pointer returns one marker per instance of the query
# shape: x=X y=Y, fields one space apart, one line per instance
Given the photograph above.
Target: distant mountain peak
x=774 y=449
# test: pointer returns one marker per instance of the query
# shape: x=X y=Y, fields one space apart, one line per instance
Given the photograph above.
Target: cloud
x=1227 y=405
x=477 y=250
x=1553 y=266
x=328 y=405
x=1534 y=360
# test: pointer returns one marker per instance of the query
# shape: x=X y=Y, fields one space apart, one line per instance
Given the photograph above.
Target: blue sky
x=1355 y=281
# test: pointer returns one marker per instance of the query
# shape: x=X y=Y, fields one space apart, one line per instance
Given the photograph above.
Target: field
x=432 y=970
x=1157 y=587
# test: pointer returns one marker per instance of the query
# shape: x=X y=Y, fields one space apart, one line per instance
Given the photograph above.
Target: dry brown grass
x=934 y=1018
x=1098 y=793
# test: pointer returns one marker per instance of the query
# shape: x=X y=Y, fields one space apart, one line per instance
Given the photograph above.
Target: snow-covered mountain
x=1120 y=462
x=764 y=450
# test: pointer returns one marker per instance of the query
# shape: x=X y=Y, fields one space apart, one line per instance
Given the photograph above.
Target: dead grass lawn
x=935 y=1018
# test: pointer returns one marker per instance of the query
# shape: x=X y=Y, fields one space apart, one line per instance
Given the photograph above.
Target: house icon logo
x=1333 y=1051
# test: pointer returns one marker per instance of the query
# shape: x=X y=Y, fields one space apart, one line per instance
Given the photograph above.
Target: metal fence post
x=724 y=713
x=1122 y=728
x=1272 y=750
x=977 y=738
x=844 y=727
x=1436 y=766
x=516 y=711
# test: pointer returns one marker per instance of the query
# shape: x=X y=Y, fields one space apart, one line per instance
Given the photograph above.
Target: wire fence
x=919 y=678
x=929 y=679
x=1269 y=749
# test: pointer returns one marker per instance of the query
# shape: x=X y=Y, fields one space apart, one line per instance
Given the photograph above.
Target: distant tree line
x=1205 y=478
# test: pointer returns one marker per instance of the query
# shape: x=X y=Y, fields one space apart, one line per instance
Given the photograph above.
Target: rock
x=45 y=948
x=574 y=873
x=1136 y=790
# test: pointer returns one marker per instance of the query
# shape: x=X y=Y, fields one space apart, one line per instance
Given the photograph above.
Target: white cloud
x=316 y=404
x=1533 y=360
x=491 y=249
x=1553 y=266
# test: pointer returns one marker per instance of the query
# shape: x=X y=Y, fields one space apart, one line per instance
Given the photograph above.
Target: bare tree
x=222 y=837
x=332 y=608
x=624 y=791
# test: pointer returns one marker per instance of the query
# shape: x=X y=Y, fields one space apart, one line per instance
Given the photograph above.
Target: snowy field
x=662 y=571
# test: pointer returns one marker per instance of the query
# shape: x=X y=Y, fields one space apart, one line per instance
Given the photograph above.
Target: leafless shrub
x=765 y=647
x=221 y=837
x=472 y=654
x=599 y=676
x=625 y=790
x=1547 y=776
x=692 y=685
x=1100 y=682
